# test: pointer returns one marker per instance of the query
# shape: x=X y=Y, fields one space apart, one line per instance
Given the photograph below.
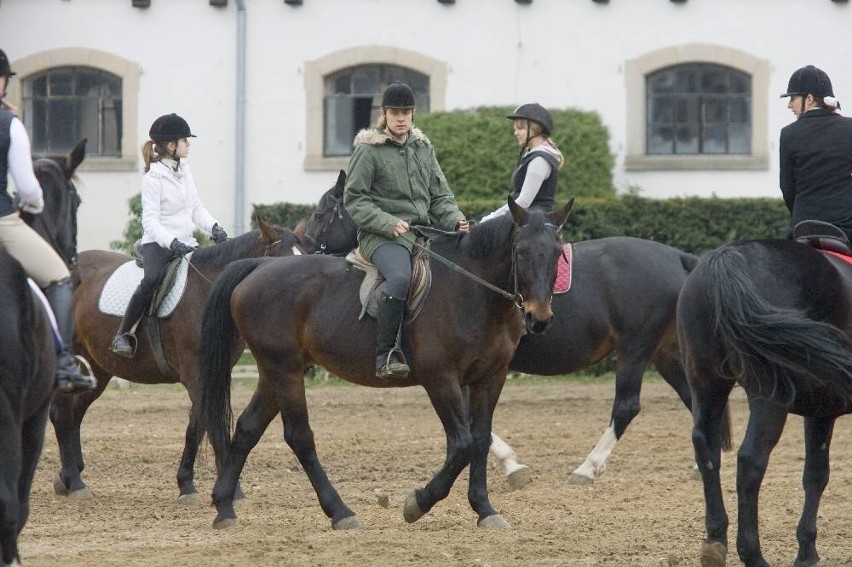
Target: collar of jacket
x=373 y=137
x=816 y=112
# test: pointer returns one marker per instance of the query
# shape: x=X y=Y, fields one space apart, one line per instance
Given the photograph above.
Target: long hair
x=537 y=130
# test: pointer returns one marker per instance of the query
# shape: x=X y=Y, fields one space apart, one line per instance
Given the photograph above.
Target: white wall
x=561 y=53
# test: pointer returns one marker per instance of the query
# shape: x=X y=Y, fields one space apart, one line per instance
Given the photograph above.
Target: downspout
x=240 y=129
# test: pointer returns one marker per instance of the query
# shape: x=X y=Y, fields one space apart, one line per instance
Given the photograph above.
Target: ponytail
x=153 y=152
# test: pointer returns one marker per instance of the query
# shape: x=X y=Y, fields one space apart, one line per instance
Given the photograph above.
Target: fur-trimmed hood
x=374 y=137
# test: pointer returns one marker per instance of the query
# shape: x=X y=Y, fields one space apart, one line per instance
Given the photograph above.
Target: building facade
x=275 y=89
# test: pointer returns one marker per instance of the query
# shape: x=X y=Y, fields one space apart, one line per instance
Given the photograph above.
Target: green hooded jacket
x=388 y=181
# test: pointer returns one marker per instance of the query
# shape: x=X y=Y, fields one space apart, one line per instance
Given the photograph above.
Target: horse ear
x=519 y=213
x=267 y=231
x=562 y=216
x=76 y=155
x=341 y=183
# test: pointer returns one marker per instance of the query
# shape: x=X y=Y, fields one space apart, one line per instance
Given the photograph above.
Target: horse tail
x=217 y=345
x=772 y=350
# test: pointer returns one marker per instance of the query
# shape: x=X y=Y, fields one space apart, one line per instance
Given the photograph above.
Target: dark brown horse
x=27 y=366
x=622 y=300
x=179 y=336
x=298 y=312
x=775 y=317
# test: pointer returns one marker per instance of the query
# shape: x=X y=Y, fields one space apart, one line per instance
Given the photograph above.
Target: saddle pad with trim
x=844 y=257
x=374 y=284
x=563 y=269
x=115 y=296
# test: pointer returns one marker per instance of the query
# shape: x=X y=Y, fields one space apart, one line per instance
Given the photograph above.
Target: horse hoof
x=411 y=511
x=82 y=494
x=225 y=523
x=59 y=486
x=713 y=554
x=580 y=480
x=519 y=478
x=494 y=522
x=347 y=523
x=191 y=499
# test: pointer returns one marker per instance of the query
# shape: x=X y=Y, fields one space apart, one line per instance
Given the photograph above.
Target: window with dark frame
x=698 y=108
x=353 y=97
x=64 y=104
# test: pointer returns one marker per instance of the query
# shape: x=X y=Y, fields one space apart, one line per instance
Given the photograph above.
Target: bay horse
x=57 y=223
x=27 y=367
x=179 y=337
x=297 y=312
x=622 y=299
x=775 y=317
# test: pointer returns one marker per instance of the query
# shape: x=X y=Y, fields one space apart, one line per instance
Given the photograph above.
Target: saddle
x=374 y=284
x=822 y=236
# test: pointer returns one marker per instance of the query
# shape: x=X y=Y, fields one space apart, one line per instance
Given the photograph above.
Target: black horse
x=302 y=311
x=57 y=224
x=775 y=317
x=27 y=366
x=622 y=300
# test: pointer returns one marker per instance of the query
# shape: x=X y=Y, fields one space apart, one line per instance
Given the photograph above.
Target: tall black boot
x=390 y=361
x=124 y=343
x=68 y=377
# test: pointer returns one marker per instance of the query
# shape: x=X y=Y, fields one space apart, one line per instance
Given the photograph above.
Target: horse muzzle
x=537 y=316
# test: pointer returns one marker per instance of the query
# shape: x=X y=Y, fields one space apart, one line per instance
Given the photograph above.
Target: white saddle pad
x=115 y=296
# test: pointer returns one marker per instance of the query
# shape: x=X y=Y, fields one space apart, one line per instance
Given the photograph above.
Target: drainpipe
x=240 y=134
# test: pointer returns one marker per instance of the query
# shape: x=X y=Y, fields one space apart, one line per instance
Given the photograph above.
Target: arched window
x=353 y=97
x=343 y=91
x=65 y=104
x=698 y=108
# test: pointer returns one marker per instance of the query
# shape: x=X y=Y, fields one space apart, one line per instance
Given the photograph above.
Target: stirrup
x=394 y=366
x=83 y=381
x=127 y=349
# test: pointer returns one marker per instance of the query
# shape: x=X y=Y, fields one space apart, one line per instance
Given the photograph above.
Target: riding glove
x=180 y=248
x=218 y=233
x=32 y=207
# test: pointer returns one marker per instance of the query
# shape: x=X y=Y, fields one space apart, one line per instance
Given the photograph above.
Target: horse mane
x=484 y=238
x=243 y=246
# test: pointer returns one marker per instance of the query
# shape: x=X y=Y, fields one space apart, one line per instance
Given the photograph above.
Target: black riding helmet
x=809 y=80
x=398 y=95
x=5 y=68
x=169 y=127
x=534 y=112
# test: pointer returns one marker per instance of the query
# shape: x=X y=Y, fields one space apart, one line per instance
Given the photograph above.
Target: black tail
x=218 y=340
x=771 y=350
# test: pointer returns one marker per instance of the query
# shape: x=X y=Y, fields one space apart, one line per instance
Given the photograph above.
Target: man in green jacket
x=394 y=181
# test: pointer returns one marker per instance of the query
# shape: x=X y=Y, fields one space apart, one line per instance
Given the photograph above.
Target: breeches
x=154 y=261
x=39 y=259
x=394 y=263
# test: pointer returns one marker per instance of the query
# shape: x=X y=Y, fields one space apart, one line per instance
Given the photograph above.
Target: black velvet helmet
x=5 y=68
x=170 y=127
x=398 y=95
x=809 y=81
x=534 y=112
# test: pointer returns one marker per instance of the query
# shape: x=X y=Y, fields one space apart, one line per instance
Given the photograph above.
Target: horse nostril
x=535 y=325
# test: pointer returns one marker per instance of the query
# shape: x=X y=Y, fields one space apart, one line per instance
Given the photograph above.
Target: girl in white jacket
x=171 y=211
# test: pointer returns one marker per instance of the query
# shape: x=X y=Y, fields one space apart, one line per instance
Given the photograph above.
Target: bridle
x=319 y=243
x=70 y=220
x=515 y=297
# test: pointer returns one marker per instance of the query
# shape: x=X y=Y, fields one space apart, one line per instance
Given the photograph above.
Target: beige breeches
x=39 y=259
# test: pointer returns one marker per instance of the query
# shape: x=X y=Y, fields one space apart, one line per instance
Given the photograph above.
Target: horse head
x=536 y=250
x=330 y=229
x=57 y=223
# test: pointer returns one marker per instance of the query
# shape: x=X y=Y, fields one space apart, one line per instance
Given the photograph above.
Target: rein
x=317 y=242
x=515 y=298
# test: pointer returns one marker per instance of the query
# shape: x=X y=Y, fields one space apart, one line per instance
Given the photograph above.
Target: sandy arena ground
x=646 y=510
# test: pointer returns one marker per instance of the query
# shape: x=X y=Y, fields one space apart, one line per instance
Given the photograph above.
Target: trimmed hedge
x=478 y=153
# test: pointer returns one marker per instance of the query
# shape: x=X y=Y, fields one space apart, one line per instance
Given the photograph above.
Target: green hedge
x=477 y=151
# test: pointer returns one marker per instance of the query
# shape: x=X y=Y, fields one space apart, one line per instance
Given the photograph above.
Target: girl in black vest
x=536 y=176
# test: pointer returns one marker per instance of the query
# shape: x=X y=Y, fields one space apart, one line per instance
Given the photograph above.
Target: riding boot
x=124 y=343
x=390 y=361
x=68 y=377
